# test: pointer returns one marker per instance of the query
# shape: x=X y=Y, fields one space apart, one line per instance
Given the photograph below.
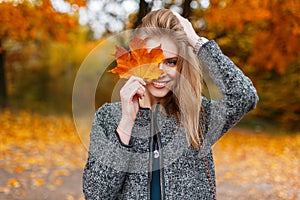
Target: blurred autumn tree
x=263 y=38
x=23 y=22
x=273 y=27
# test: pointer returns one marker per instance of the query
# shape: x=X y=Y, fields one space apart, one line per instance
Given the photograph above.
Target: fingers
x=180 y=18
x=185 y=23
x=141 y=92
x=133 y=79
x=188 y=28
x=177 y=15
x=134 y=86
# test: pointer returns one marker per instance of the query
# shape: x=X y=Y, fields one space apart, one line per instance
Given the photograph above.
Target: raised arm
x=239 y=94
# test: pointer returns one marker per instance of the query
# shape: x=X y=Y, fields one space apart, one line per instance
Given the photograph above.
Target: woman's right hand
x=130 y=93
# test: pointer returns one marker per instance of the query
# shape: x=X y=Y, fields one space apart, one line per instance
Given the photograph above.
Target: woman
x=159 y=145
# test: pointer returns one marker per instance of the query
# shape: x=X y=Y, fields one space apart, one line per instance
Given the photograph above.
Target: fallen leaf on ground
x=13 y=183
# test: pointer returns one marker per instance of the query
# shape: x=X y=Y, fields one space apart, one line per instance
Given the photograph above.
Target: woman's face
x=160 y=87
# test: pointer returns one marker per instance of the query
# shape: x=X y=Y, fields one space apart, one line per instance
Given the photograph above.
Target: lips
x=159 y=84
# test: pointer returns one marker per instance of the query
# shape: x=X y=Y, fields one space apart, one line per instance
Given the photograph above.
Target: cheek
x=173 y=73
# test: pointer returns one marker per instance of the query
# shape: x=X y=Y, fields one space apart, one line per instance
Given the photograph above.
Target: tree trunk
x=3 y=91
x=186 y=8
x=144 y=9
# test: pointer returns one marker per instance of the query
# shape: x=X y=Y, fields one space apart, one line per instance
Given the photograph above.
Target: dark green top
x=155 y=182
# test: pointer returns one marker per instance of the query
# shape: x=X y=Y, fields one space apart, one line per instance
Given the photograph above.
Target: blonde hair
x=184 y=102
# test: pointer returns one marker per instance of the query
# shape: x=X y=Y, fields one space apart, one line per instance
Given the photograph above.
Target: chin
x=158 y=92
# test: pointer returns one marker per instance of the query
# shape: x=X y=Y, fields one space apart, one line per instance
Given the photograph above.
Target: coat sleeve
x=238 y=93
x=107 y=162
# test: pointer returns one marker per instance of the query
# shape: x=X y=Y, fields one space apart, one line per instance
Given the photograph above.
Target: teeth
x=159 y=83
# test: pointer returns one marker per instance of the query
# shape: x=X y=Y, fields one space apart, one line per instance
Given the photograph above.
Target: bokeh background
x=42 y=46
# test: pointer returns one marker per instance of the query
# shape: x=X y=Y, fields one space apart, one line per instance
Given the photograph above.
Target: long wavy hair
x=184 y=101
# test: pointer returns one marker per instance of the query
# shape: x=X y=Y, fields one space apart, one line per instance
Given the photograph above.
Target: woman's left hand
x=188 y=28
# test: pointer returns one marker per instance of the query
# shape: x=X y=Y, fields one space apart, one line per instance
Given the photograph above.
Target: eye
x=171 y=62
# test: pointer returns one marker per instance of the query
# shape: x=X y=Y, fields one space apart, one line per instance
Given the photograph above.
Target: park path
x=43 y=157
x=71 y=189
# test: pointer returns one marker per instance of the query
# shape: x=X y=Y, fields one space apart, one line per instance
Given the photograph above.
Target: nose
x=161 y=66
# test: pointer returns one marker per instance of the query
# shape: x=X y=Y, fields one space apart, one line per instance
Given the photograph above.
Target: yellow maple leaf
x=139 y=61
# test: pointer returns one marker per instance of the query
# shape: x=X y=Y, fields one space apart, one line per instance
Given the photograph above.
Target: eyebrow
x=171 y=58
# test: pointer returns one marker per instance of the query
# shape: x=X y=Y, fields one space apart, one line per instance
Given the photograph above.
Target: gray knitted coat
x=117 y=171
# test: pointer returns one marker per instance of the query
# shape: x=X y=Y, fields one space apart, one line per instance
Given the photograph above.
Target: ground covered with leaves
x=42 y=157
x=258 y=165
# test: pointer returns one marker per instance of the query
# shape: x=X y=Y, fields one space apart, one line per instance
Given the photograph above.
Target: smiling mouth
x=159 y=84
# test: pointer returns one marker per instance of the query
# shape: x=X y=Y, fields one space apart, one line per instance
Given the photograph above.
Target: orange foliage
x=139 y=62
x=275 y=28
x=237 y=13
x=28 y=20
